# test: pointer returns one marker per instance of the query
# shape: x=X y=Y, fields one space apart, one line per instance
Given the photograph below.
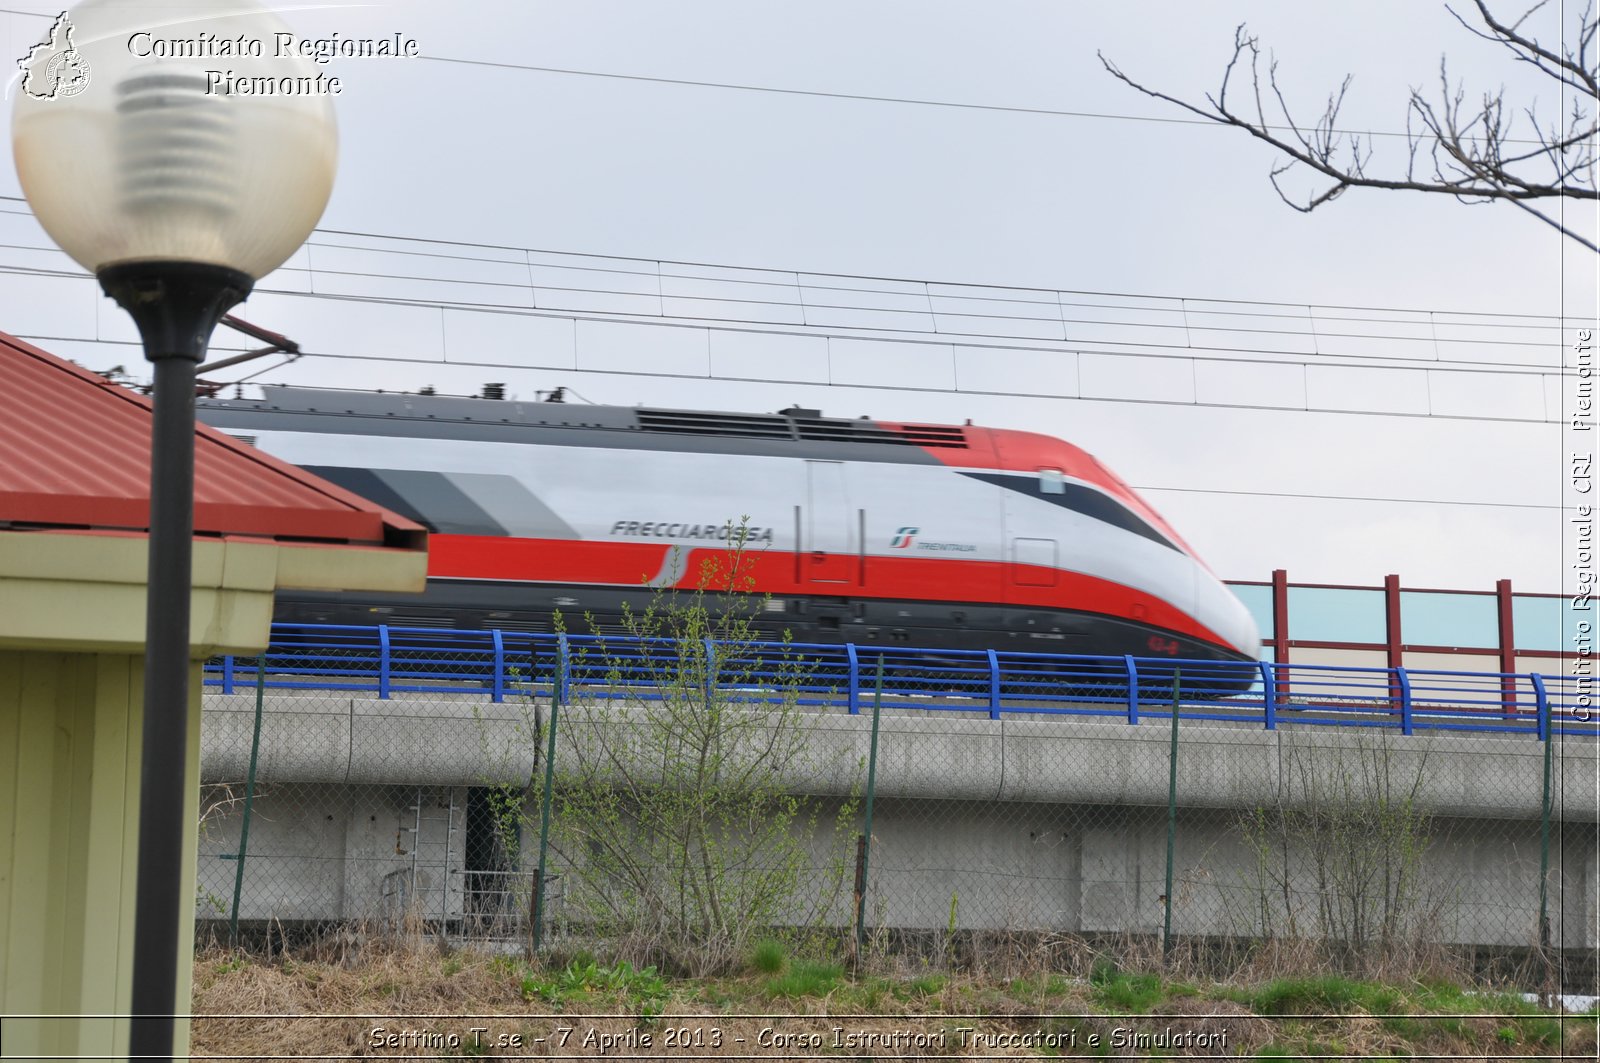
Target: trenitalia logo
x=906 y=539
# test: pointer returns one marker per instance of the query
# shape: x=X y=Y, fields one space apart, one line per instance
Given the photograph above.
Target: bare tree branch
x=1474 y=152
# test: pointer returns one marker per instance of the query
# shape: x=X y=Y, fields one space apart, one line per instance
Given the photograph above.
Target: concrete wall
x=334 y=852
x=463 y=741
x=1055 y=823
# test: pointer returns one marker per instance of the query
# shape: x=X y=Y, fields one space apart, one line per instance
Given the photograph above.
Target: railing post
x=1404 y=683
x=1504 y=602
x=227 y=673
x=499 y=694
x=994 y=686
x=1269 y=694
x=1541 y=701
x=854 y=694
x=383 y=660
x=1133 y=688
x=1394 y=656
x=1280 y=624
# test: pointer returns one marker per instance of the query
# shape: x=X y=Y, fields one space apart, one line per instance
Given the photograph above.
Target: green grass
x=871 y=994
x=1412 y=1029
x=1327 y=994
x=1126 y=994
x=806 y=980
x=768 y=957
x=1044 y=985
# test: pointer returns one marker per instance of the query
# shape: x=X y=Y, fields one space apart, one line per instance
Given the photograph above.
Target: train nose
x=1220 y=610
x=1243 y=631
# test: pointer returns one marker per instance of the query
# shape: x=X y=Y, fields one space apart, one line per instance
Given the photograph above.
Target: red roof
x=75 y=453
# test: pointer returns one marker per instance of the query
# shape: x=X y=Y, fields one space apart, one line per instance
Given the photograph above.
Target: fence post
x=383 y=660
x=853 y=696
x=556 y=694
x=1172 y=818
x=499 y=694
x=227 y=673
x=863 y=851
x=249 y=796
x=994 y=686
x=1133 y=688
x=1269 y=694
x=1544 y=821
x=1403 y=681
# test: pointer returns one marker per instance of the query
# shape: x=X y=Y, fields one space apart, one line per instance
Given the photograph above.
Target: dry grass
x=333 y=1002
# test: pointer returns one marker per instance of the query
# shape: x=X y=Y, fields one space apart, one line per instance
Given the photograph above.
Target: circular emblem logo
x=67 y=73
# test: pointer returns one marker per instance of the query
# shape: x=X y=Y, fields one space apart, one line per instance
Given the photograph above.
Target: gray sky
x=1161 y=211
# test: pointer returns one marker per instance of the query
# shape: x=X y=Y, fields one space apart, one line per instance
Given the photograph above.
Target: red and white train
x=940 y=536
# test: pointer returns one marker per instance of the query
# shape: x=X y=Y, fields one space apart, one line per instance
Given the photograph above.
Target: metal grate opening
x=715 y=424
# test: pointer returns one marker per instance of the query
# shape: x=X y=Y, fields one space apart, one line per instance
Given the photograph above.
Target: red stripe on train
x=784 y=573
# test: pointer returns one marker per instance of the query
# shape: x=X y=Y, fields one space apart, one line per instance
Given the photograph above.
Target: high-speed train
x=865 y=531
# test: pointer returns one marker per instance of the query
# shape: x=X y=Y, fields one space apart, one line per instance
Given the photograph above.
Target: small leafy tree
x=1339 y=857
x=680 y=816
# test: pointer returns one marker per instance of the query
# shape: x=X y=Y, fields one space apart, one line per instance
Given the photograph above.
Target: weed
x=1128 y=994
x=535 y=988
x=768 y=956
x=1405 y=1026
x=1328 y=993
x=1540 y=1029
x=806 y=980
x=873 y=993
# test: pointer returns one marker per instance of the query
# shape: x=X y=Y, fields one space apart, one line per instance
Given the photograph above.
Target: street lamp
x=178 y=196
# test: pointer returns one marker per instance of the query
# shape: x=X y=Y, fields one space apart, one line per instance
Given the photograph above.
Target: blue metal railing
x=503 y=664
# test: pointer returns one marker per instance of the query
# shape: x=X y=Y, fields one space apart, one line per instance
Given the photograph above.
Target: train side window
x=1052 y=482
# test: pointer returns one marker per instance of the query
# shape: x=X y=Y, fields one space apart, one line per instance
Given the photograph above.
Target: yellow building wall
x=70 y=738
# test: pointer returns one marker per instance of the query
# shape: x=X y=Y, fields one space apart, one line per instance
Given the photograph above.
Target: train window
x=1052 y=482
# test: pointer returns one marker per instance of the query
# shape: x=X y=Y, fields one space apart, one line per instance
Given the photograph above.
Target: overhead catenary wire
x=1536 y=320
x=956 y=388
x=936 y=337
x=943 y=338
x=897 y=387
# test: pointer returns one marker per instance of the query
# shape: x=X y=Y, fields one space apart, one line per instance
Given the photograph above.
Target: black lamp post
x=177 y=197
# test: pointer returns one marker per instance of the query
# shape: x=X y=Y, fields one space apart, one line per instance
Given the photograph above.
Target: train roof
x=793 y=424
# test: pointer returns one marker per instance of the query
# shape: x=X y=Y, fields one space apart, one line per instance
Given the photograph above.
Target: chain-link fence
x=686 y=797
